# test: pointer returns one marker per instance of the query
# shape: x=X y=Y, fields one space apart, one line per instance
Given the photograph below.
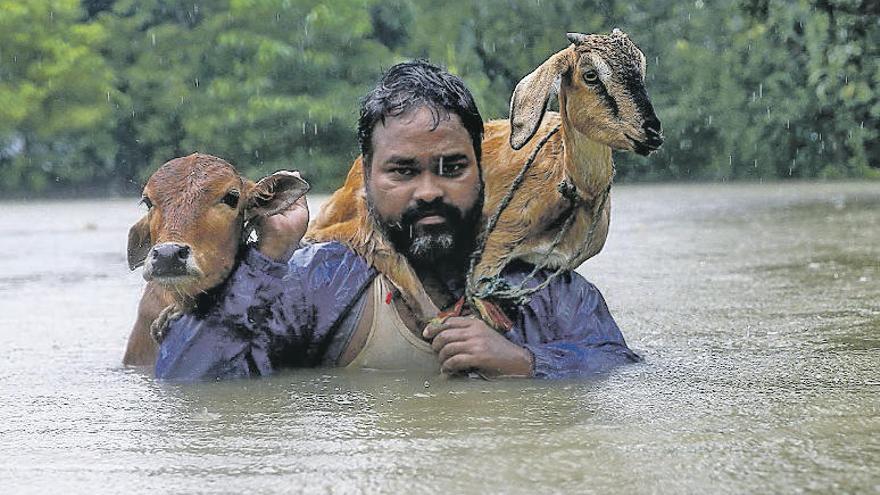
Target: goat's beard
x=451 y=241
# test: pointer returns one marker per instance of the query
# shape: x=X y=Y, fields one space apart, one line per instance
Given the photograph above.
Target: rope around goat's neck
x=505 y=202
x=496 y=286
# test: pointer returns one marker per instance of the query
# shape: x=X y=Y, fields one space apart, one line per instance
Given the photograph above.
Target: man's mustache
x=424 y=209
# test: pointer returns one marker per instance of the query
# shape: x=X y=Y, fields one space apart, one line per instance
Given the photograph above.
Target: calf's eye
x=230 y=199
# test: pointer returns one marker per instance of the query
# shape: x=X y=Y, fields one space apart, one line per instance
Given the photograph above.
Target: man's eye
x=450 y=169
x=406 y=172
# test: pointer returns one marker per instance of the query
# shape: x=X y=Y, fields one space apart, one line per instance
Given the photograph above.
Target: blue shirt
x=268 y=316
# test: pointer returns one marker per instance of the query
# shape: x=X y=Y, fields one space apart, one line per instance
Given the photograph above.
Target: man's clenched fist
x=466 y=343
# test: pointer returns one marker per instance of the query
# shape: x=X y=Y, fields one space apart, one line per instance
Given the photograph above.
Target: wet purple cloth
x=269 y=316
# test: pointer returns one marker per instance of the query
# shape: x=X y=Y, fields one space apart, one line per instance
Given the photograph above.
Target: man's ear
x=139 y=242
x=274 y=193
x=530 y=98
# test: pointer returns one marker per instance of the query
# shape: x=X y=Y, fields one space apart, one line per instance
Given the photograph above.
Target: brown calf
x=199 y=214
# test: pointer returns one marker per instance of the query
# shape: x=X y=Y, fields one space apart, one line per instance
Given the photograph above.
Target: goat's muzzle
x=653 y=137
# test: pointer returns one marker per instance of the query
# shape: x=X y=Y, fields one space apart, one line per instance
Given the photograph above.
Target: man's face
x=424 y=187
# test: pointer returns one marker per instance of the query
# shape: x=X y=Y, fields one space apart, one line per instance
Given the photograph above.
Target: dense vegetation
x=95 y=94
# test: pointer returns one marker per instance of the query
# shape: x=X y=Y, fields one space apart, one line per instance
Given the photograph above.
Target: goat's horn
x=576 y=38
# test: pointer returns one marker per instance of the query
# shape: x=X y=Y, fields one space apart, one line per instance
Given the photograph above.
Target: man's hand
x=465 y=342
x=279 y=235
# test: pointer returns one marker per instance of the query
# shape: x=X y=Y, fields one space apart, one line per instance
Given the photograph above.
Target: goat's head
x=601 y=94
x=197 y=210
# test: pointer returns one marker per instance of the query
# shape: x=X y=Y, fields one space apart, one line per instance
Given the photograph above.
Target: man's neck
x=443 y=280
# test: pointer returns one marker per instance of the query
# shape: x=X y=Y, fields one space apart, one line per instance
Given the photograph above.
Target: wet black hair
x=414 y=84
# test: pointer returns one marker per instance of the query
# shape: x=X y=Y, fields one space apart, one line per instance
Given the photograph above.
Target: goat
x=603 y=106
x=199 y=213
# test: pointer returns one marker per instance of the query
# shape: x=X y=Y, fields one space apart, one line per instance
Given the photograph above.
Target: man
x=420 y=135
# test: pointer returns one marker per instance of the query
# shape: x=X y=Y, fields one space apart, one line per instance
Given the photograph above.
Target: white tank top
x=391 y=345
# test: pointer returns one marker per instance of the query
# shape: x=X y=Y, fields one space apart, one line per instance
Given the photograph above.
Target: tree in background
x=55 y=91
x=104 y=92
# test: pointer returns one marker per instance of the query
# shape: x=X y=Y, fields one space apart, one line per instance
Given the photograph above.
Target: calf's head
x=197 y=208
x=601 y=94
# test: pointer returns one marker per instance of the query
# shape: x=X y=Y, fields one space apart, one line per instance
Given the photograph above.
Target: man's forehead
x=421 y=118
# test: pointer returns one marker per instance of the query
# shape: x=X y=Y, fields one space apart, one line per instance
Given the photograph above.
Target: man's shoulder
x=516 y=272
x=321 y=259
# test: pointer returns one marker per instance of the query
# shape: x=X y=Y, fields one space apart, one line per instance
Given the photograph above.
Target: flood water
x=756 y=308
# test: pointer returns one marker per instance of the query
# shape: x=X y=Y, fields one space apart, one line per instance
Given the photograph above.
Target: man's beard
x=453 y=240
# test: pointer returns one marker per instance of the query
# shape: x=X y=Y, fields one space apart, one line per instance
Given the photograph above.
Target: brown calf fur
x=199 y=209
x=603 y=106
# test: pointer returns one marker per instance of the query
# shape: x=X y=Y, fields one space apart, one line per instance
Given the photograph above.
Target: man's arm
x=234 y=332
x=269 y=316
x=564 y=331
x=570 y=332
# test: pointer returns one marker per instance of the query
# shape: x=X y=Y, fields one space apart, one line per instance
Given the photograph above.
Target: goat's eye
x=146 y=202
x=591 y=76
x=230 y=199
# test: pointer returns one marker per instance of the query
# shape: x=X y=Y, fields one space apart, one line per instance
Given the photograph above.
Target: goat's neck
x=587 y=162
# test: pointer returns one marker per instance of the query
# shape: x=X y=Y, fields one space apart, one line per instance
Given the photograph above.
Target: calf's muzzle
x=169 y=259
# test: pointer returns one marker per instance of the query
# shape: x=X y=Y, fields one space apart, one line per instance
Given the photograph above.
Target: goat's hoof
x=492 y=314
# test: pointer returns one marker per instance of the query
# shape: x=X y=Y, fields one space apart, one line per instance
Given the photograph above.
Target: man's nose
x=428 y=189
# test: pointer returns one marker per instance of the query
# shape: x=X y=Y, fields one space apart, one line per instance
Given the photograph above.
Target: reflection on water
x=756 y=307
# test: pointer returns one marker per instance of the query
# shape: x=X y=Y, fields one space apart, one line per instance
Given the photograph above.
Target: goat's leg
x=498 y=251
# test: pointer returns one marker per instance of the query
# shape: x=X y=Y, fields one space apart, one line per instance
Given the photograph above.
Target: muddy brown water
x=756 y=307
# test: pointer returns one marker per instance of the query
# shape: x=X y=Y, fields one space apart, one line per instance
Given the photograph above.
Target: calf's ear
x=274 y=193
x=139 y=242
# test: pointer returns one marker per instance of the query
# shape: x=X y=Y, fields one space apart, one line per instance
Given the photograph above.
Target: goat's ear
x=139 y=242
x=274 y=193
x=529 y=100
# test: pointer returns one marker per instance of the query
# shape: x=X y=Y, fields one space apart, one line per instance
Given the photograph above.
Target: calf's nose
x=169 y=259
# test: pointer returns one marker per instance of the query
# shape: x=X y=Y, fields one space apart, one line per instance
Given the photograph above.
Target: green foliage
x=55 y=116
x=96 y=95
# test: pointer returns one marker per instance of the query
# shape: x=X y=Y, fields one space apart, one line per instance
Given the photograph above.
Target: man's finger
x=433 y=329
x=459 y=362
x=460 y=321
x=453 y=348
x=447 y=336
